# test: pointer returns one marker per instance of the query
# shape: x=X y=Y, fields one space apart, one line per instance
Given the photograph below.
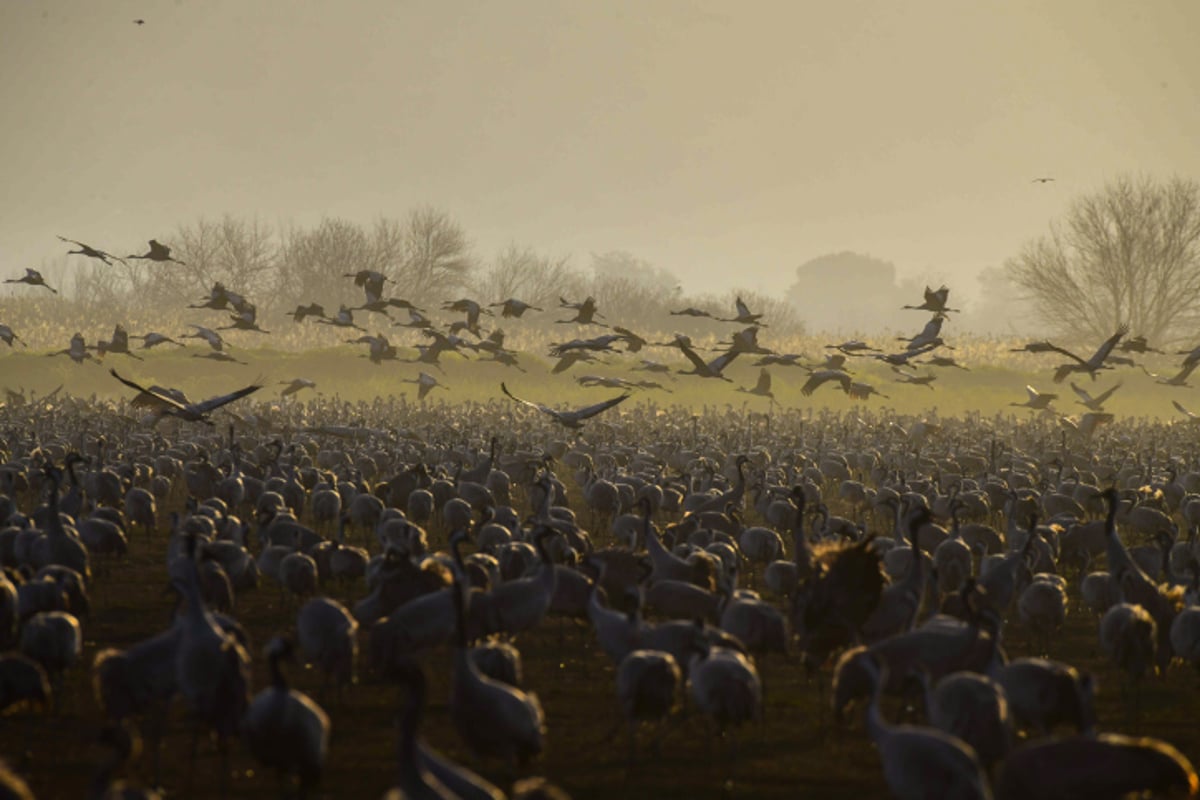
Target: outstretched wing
x=1103 y=396
x=214 y=403
x=722 y=361
x=1182 y=410
x=164 y=398
x=1087 y=398
x=72 y=241
x=538 y=406
x=1108 y=345
x=591 y=411
x=764 y=381
x=691 y=356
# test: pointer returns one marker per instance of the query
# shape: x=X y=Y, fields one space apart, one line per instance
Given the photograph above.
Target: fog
x=726 y=144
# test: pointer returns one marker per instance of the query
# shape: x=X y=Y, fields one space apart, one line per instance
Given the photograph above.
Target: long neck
x=877 y=726
x=277 y=679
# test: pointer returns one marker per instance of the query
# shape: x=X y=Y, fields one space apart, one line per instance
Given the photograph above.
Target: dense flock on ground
x=931 y=563
x=718 y=586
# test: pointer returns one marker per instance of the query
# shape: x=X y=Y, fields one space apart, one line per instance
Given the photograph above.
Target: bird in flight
x=1042 y=180
x=744 y=315
x=158 y=252
x=139 y=22
x=1094 y=364
x=1094 y=403
x=33 y=278
x=570 y=419
x=189 y=412
x=512 y=307
x=1037 y=400
x=91 y=252
x=295 y=385
x=934 y=301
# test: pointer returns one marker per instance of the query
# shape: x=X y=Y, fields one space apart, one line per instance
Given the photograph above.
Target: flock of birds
x=903 y=559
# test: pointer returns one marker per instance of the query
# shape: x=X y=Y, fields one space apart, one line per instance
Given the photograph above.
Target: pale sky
x=727 y=142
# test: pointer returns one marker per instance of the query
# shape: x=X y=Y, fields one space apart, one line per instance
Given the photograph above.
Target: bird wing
x=538 y=406
x=764 y=381
x=1033 y=393
x=72 y=241
x=214 y=403
x=1084 y=396
x=1103 y=396
x=722 y=361
x=1062 y=372
x=1098 y=358
x=742 y=309
x=591 y=411
x=1183 y=410
x=691 y=356
x=164 y=398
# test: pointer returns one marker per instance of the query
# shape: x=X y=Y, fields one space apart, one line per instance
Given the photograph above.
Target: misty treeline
x=428 y=258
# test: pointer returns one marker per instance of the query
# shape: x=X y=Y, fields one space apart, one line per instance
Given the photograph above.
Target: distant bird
x=570 y=419
x=834 y=361
x=863 y=391
x=220 y=299
x=469 y=307
x=781 y=360
x=344 y=319
x=915 y=379
x=33 y=278
x=1094 y=403
x=426 y=383
x=310 y=310
x=415 y=320
x=139 y=22
x=1094 y=364
x=712 y=369
x=853 y=346
x=381 y=349
x=8 y=337
x=822 y=376
x=78 y=350
x=295 y=385
x=762 y=388
x=1037 y=400
x=570 y=359
x=1042 y=180
x=934 y=301
x=153 y=339
x=214 y=339
x=943 y=361
x=159 y=252
x=218 y=355
x=1038 y=347
x=596 y=344
x=1137 y=344
x=512 y=307
x=118 y=344
x=647 y=365
x=691 y=311
x=633 y=342
x=91 y=252
x=245 y=319
x=744 y=315
x=1179 y=379
x=190 y=412
x=370 y=281
x=585 y=312
x=746 y=341
x=930 y=333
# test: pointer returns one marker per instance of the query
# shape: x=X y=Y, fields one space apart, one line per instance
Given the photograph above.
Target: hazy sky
x=728 y=142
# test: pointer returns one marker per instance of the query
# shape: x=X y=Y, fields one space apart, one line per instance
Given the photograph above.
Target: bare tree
x=523 y=273
x=238 y=253
x=436 y=260
x=1128 y=253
